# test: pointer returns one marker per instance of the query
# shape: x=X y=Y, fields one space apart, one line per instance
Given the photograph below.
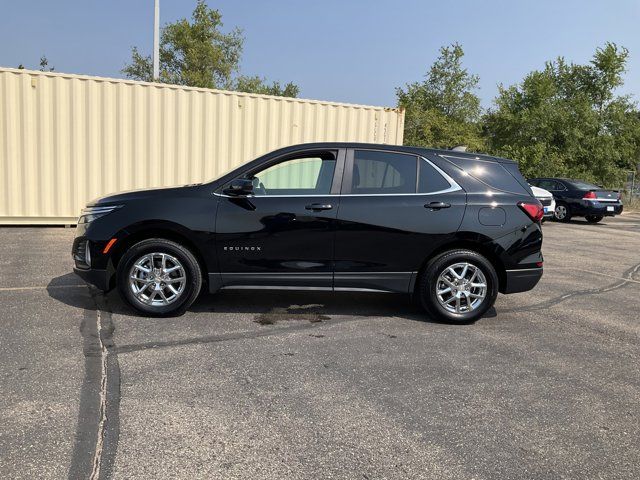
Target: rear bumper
x=589 y=207
x=97 y=278
x=521 y=280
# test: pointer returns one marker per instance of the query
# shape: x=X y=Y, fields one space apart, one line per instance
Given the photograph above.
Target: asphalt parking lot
x=258 y=385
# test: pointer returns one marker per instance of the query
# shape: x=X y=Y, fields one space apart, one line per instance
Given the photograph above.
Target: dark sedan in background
x=575 y=198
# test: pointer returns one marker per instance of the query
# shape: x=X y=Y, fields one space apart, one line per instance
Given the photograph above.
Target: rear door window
x=378 y=172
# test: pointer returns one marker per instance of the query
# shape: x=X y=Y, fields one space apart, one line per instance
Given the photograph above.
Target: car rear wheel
x=458 y=286
x=562 y=213
x=159 y=277
x=594 y=218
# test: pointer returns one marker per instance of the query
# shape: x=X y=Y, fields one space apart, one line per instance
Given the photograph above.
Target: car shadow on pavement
x=266 y=306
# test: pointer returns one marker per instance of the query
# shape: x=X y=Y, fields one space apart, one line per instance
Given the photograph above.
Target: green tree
x=257 y=84
x=44 y=65
x=197 y=53
x=566 y=120
x=443 y=111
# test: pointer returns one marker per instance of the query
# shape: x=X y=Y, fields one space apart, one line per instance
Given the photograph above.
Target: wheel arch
x=155 y=229
x=467 y=244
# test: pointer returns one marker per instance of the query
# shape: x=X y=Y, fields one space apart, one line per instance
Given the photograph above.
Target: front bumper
x=522 y=280
x=97 y=278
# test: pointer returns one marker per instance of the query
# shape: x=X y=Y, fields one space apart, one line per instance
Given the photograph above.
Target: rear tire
x=594 y=218
x=562 y=212
x=158 y=277
x=451 y=293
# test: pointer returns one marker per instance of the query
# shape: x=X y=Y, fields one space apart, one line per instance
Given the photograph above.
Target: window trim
x=336 y=183
x=343 y=176
x=348 y=176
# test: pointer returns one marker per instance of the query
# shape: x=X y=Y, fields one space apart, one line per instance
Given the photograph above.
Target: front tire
x=159 y=277
x=594 y=218
x=562 y=212
x=458 y=286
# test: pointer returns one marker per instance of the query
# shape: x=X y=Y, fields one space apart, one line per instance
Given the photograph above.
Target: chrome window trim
x=453 y=187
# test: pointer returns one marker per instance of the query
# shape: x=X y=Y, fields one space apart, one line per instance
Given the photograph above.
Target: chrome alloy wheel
x=461 y=288
x=157 y=279
x=561 y=212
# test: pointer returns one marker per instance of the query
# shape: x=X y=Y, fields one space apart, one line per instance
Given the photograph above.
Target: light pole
x=156 y=40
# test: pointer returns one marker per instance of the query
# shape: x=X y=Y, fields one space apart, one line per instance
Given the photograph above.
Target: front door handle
x=318 y=206
x=436 y=205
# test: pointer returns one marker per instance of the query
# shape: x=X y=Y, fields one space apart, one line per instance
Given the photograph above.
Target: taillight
x=534 y=211
x=589 y=196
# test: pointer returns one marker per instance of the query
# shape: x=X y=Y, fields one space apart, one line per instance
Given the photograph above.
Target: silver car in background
x=546 y=198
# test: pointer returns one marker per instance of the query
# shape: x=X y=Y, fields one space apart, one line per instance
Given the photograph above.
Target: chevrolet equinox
x=450 y=228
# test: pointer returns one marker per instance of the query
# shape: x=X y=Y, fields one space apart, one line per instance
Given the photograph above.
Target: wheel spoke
x=453 y=272
x=457 y=304
x=475 y=295
x=142 y=280
x=447 y=282
x=478 y=285
x=164 y=297
x=144 y=287
x=172 y=269
x=473 y=277
x=175 y=280
x=464 y=270
x=173 y=290
x=446 y=290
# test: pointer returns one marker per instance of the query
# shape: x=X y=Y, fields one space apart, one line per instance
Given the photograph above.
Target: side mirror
x=239 y=187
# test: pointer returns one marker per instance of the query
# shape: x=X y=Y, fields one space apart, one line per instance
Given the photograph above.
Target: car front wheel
x=159 y=277
x=458 y=286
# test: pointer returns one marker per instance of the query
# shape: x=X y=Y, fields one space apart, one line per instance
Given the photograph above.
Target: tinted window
x=383 y=172
x=549 y=185
x=429 y=179
x=513 y=169
x=298 y=176
x=490 y=173
x=584 y=185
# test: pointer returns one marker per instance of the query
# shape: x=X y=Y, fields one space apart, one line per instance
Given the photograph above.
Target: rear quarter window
x=505 y=177
x=429 y=179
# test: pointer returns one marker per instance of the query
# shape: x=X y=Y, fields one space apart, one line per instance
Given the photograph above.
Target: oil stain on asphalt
x=311 y=313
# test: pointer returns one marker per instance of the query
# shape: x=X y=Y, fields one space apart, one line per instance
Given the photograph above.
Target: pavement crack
x=627 y=277
x=228 y=337
x=97 y=428
x=102 y=415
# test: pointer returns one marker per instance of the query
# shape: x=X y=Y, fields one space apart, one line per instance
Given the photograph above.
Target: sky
x=354 y=51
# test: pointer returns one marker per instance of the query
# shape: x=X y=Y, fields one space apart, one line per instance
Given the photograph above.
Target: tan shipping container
x=66 y=139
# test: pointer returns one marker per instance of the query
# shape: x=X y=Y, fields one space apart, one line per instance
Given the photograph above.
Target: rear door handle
x=436 y=205
x=318 y=206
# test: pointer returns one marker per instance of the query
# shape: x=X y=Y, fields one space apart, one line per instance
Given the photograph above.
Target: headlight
x=89 y=214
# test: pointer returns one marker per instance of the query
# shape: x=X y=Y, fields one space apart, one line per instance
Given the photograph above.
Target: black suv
x=451 y=228
x=575 y=198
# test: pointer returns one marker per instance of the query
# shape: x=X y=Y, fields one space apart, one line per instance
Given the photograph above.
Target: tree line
x=563 y=120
